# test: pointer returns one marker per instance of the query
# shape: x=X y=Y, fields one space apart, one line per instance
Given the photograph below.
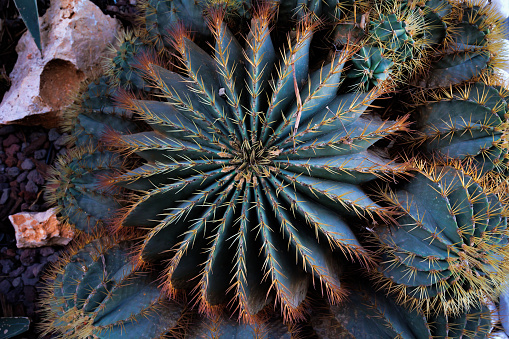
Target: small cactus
x=92 y=291
x=75 y=186
x=450 y=248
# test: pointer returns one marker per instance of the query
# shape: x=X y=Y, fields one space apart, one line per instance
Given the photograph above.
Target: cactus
x=219 y=148
x=370 y=68
x=13 y=326
x=370 y=314
x=218 y=325
x=93 y=113
x=93 y=292
x=74 y=185
x=396 y=37
x=470 y=49
x=161 y=15
x=450 y=248
x=467 y=122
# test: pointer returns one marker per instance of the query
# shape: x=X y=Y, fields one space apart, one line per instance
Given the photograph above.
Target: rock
x=36 y=177
x=17 y=282
x=17 y=272
x=13 y=171
x=28 y=257
x=11 y=139
x=36 y=229
x=28 y=278
x=53 y=134
x=7 y=265
x=31 y=187
x=61 y=141
x=5 y=286
x=498 y=335
x=12 y=150
x=40 y=154
x=27 y=165
x=22 y=176
x=5 y=195
x=36 y=269
x=75 y=35
x=54 y=257
x=4 y=130
x=46 y=251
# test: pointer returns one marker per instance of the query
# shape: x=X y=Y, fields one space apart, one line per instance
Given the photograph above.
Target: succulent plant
x=13 y=326
x=239 y=197
x=161 y=15
x=220 y=325
x=93 y=113
x=370 y=68
x=449 y=250
x=371 y=314
x=74 y=185
x=471 y=46
x=466 y=122
x=92 y=291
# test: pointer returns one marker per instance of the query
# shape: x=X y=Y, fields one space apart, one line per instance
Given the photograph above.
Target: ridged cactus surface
x=252 y=168
x=75 y=185
x=94 y=292
x=467 y=122
x=449 y=250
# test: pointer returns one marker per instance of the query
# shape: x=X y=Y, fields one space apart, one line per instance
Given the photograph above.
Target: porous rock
x=75 y=35
x=37 y=229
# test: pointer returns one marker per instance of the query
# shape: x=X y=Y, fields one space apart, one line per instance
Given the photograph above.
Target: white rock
x=75 y=35
x=37 y=229
x=498 y=335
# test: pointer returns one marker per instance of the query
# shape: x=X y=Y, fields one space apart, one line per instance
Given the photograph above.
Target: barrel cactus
x=371 y=314
x=466 y=122
x=265 y=171
x=92 y=291
x=450 y=248
x=470 y=48
x=74 y=185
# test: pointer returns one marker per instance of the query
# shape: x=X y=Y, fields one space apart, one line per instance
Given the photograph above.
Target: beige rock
x=37 y=229
x=75 y=35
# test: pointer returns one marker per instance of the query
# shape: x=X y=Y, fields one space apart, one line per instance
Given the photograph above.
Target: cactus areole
x=253 y=167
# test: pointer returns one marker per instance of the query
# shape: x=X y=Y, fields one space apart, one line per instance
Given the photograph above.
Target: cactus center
x=252 y=159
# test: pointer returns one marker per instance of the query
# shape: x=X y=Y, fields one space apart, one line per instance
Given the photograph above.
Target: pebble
x=22 y=176
x=5 y=286
x=17 y=272
x=46 y=251
x=53 y=258
x=7 y=265
x=31 y=187
x=28 y=256
x=5 y=195
x=61 y=141
x=53 y=134
x=36 y=269
x=29 y=279
x=13 y=171
x=27 y=164
x=36 y=177
x=16 y=282
x=11 y=139
x=40 y=154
